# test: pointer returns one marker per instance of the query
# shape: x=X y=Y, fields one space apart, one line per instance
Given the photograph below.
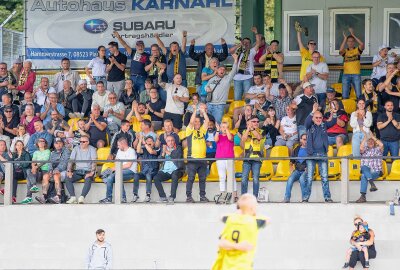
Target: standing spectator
x=195 y=136
x=299 y=173
x=96 y=127
x=65 y=74
x=360 y=121
x=389 y=125
x=28 y=119
x=261 y=107
x=99 y=254
x=67 y=100
x=81 y=100
x=16 y=69
x=204 y=58
x=392 y=72
x=351 y=66
x=170 y=169
x=330 y=97
x=9 y=123
x=100 y=96
x=218 y=87
x=281 y=101
x=262 y=48
x=336 y=125
x=371 y=169
x=206 y=74
x=148 y=169
x=303 y=104
x=288 y=130
x=154 y=64
x=116 y=64
x=39 y=169
x=379 y=63
x=125 y=132
x=155 y=107
x=22 y=136
x=28 y=100
x=4 y=156
x=45 y=112
x=83 y=170
x=273 y=61
x=391 y=91
x=271 y=127
x=317 y=74
x=6 y=79
x=251 y=143
x=210 y=141
x=40 y=133
x=20 y=169
x=225 y=162
x=114 y=112
x=176 y=60
x=371 y=103
x=98 y=66
x=177 y=95
x=168 y=131
x=317 y=146
x=127 y=96
x=26 y=81
x=42 y=92
x=129 y=169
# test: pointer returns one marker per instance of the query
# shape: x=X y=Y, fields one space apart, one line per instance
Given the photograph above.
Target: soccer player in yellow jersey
x=351 y=66
x=238 y=240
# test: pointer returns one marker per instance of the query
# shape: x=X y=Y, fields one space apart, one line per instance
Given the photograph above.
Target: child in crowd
x=359 y=235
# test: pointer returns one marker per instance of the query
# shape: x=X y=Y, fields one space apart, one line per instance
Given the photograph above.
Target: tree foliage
x=17 y=21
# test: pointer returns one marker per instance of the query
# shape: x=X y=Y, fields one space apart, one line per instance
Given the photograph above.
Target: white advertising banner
x=74 y=29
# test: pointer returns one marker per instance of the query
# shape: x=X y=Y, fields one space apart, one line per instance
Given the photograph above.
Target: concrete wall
x=376 y=22
x=183 y=236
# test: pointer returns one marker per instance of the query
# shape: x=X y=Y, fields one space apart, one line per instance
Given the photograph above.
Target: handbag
x=210 y=94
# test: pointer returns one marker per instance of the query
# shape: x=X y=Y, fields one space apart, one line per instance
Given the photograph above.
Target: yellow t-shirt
x=238 y=228
x=196 y=142
x=306 y=60
x=352 y=61
x=252 y=146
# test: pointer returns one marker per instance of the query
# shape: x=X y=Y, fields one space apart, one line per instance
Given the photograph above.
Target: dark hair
x=141 y=104
x=124 y=121
x=316 y=52
x=256 y=75
x=247 y=39
x=275 y=40
x=350 y=36
x=147 y=122
x=195 y=95
x=173 y=42
x=311 y=40
x=148 y=80
x=364 y=82
x=155 y=45
x=65 y=59
x=100 y=82
x=99 y=48
x=100 y=231
x=304 y=134
x=113 y=44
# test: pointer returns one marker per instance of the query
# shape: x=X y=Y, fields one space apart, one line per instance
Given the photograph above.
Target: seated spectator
x=257 y=88
x=6 y=102
x=379 y=63
x=39 y=169
x=128 y=95
x=281 y=101
x=168 y=131
x=288 y=130
x=57 y=172
x=41 y=94
x=125 y=132
x=56 y=123
x=72 y=137
x=148 y=169
x=146 y=130
x=66 y=74
x=81 y=100
x=261 y=107
x=155 y=108
x=100 y=96
x=360 y=121
x=371 y=103
x=330 y=96
x=67 y=99
x=371 y=169
x=125 y=152
x=28 y=119
x=271 y=127
x=26 y=79
x=206 y=74
x=4 y=156
x=145 y=94
x=389 y=125
x=21 y=136
x=169 y=169
x=177 y=95
x=45 y=112
x=225 y=163
x=9 y=123
x=96 y=127
x=20 y=169
x=336 y=125
x=83 y=170
x=138 y=110
x=40 y=133
x=252 y=148
x=28 y=100
x=114 y=112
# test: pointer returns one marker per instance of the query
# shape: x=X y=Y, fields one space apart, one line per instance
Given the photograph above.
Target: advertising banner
x=74 y=29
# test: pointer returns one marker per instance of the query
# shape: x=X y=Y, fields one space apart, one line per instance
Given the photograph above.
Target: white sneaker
x=72 y=200
x=72 y=115
x=80 y=115
x=81 y=200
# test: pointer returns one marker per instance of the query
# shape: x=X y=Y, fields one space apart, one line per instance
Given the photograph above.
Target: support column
x=118 y=182
x=344 y=184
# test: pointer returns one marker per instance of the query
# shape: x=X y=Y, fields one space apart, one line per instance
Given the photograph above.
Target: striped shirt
x=374 y=164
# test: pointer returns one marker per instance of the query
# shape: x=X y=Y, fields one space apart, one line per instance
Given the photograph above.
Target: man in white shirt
x=65 y=74
x=100 y=96
x=43 y=91
x=256 y=89
x=114 y=112
x=128 y=169
x=380 y=62
x=288 y=130
x=317 y=74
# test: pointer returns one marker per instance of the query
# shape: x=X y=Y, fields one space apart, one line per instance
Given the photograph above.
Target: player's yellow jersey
x=238 y=228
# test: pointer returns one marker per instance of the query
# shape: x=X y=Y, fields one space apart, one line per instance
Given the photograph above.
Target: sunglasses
x=42 y=141
x=2 y=68
x=312 y=43
x=7 y=111
x=83 y=141
x=318 y=117
x=176 y=91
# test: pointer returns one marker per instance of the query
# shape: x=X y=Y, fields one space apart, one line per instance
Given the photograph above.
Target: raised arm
x=342 y=49
x=160 y=43
x=184 y=41
x=192 y=54
x=123 y=42
x=359 y=41
x=299 y=41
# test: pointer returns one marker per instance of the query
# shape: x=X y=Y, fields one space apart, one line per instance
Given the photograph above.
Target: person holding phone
x=336 y=125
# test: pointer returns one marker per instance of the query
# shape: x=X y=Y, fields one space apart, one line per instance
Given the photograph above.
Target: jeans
x=301 y=129
x=241 y=87
x=347 y=81
x=255 y=167
x=367 y=175
x=162 y=176
x=294 y=176
x=355 y=143
x=32 y=179
x=76 y=176
x=323 y=170
x=138 y=83
x=109 y=181
x=321 y=99
x=392 y=147
x=143 y=176
x=217 y=111
x=199 y=167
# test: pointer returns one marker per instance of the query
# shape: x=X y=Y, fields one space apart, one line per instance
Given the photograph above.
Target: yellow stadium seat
x=159 y=132
x=337 y=87
x=282 y=171
x=238 y=169
x=334 y=170
x=238 y=151
x=228 y=119
x=354 y=170
x=185 y=152
x=74 y=123
x=330 y=151
x=234 y=131
x=102 y=154
x=231 y=94
x=394 y=174
x=384 y=171
x=235 y=104
x=182 y=135
x=192 y=90
x=349 y=105
x=279 y=151
x=213 y=176
x=345 y=150
x=266 y=171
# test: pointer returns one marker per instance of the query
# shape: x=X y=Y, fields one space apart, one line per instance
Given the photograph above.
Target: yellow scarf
x=177 y=60
x=243 y=60
x=23 y=77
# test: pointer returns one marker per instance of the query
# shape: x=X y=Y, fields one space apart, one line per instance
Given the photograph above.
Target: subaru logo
x=95 y=26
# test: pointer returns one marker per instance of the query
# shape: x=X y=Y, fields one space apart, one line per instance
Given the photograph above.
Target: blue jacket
x=317 y=137
x=31 y=146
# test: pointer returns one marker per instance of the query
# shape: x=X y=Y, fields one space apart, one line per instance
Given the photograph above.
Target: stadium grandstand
x=150 y=119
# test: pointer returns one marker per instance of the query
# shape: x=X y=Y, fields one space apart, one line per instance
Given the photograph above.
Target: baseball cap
x=139 y=42
x=384 y=46
x=17 y=61
x=330 y=90
x=307 y=84
x=58 y=140
x=83 y=81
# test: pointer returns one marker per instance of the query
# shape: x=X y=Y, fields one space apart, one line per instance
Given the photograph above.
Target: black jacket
x=201 y=60
x=130 y=137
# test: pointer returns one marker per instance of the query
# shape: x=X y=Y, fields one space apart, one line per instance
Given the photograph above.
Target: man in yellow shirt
x=306 y=54
x=238 y=240
x=196 y=142
x=351 y=66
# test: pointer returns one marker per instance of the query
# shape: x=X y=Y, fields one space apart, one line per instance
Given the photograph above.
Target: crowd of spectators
x=306 y=117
